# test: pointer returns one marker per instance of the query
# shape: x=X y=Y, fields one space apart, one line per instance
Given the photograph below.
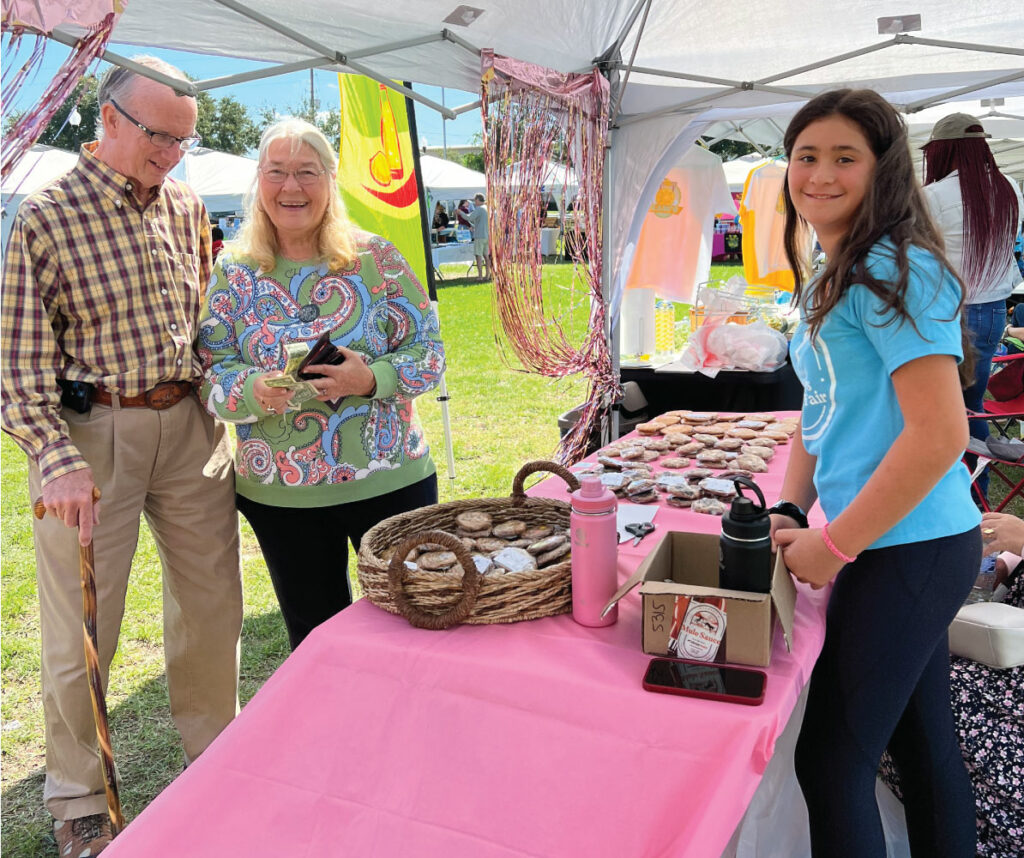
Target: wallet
x=323 y=351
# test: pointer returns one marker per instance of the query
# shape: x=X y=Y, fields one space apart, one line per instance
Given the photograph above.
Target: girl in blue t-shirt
x=882 y=432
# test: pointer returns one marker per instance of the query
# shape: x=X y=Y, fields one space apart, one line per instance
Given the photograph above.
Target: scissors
x=640 y=530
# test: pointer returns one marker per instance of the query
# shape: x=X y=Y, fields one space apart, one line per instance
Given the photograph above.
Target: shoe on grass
x=83 y=837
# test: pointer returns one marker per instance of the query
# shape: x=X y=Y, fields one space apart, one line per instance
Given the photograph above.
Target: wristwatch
x=788 y=508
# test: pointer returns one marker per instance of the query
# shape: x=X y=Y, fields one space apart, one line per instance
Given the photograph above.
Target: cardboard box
x=687 y=564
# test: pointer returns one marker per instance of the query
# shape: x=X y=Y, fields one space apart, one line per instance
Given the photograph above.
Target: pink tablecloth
x=535 y=739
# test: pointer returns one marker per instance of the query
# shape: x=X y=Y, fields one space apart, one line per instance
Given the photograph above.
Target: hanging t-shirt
x=673 y=253
x=763 y=218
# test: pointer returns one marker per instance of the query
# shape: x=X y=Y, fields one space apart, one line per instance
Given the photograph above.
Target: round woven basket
x=437 y=600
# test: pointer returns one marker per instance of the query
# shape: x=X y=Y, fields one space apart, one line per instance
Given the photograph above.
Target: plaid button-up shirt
x=97 y=288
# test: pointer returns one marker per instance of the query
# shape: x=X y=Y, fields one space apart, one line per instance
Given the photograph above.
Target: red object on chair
x=1000 y=451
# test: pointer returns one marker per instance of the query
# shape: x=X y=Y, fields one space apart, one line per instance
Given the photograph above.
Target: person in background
x=462 y=214
x=103 y=283
x=978 y=212
x=314 y=474
x=441 y=219
x=481 y=236
x=882 y=432
x=218 y=242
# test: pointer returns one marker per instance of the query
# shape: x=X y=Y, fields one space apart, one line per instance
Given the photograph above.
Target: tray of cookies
x=488 y=560
x=689 y=458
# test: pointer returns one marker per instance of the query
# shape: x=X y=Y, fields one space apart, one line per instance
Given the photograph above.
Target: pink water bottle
x=595 y=542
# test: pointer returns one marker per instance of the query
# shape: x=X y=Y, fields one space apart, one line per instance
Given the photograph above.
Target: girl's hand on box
x=806 y=556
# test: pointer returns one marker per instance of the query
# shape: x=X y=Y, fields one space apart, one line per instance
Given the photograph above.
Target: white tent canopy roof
x=692 y=66
x=221 y=179
x=446 y=180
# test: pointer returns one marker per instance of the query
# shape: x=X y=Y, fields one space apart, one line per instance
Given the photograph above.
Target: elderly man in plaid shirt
x=102 y=287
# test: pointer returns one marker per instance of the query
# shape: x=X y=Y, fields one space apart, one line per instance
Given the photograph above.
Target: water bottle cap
x=593 y=497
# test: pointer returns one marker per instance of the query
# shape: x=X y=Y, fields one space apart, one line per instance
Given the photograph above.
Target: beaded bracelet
x=831 y=546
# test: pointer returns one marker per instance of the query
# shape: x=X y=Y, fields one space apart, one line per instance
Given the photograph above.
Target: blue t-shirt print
x=819 y=387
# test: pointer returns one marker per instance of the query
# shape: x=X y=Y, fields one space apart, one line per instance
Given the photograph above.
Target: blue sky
x=277 y=92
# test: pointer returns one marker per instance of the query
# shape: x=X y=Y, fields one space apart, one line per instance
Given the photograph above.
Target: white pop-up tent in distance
x=221 y=179
x=445 y=180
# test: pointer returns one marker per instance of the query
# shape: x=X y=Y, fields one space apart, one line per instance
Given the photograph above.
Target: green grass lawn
x=500 y=417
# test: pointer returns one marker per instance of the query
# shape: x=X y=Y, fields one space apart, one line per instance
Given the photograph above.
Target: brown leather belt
x=163 y=396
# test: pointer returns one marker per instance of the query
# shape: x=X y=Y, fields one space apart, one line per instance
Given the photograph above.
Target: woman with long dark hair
x=882 y=432
x=978 y=211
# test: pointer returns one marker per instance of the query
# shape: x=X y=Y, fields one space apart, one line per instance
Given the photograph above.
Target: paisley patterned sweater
x=312 y=455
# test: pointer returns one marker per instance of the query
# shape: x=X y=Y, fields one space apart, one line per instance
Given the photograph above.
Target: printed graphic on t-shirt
x=819 y=386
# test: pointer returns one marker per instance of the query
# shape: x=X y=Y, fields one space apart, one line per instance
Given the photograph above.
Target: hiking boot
x=83 y=837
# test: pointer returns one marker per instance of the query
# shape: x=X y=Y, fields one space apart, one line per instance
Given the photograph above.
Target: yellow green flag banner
x=377 y=167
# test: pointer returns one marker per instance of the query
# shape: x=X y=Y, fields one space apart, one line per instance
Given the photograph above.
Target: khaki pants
x=174 y=466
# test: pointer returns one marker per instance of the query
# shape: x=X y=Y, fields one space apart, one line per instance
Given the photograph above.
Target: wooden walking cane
x=92 y=666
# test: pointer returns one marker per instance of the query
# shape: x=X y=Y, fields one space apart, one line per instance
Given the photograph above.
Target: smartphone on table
x=706 y=680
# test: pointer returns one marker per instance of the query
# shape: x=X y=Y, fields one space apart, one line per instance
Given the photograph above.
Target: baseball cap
x=957 y=126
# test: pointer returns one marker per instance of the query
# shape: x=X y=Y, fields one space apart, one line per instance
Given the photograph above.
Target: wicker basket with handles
x=437 y=600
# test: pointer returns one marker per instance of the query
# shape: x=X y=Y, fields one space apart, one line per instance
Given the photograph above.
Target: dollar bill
x=300 y=388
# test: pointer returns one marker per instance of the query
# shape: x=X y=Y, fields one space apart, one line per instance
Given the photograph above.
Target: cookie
x=511 y=529
x=764 y=441
x=437 y=561
x=711 y=456
x=740 y=432
x=471 y=521
x=549 y=543
x=704 y=438
x=718 y=488
x=686 y=491
x=628 y=454
x=667 y=419
x=690 y=448
x=700 y=417
x=491 y=543
x=678 y=429
x=650 y=428
x=661 y=445
x=728 y=443
x=750 y=463
x=675 y=462
x=538 y=531
x=678 y=501
x=555 y=554
x=708 y=506
x=765 y=453
x=515 y=560
x=646 y=497
x=695 y=475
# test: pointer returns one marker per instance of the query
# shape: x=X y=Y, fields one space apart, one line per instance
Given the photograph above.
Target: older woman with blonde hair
x=311 y=476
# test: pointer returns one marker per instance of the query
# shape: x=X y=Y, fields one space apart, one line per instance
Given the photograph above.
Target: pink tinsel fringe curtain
x=531 y=117
x=29 y=18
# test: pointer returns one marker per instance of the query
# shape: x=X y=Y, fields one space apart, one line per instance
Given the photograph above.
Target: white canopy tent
x=221 y=179
x=678 y=72
x=446 y=180
x=40 y=166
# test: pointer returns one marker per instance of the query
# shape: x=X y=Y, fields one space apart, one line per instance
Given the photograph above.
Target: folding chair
x=1000 y=451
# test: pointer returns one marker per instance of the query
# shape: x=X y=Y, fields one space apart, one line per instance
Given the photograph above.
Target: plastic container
x=985 y=583
x=595 y=542
x=745 y=548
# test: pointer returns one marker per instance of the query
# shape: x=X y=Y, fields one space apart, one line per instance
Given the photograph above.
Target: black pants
x=883 y=680
x=306 y=549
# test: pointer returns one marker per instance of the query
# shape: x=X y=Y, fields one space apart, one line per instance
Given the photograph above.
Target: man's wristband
x=790 y=509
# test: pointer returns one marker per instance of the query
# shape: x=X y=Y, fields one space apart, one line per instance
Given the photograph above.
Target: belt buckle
x=163 y=396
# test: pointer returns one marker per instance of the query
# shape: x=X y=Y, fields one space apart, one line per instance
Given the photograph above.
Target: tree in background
x=729 y=150
x=60 y=132
x=328 y=121
x=225 y=124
